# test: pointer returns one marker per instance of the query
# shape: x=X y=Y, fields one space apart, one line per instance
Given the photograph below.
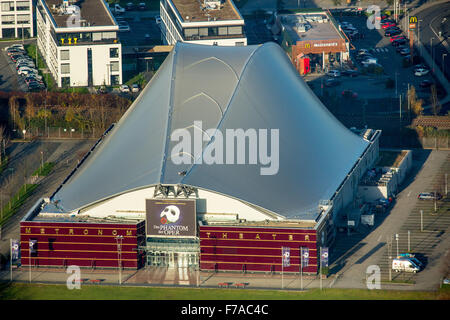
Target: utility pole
x=119 y=255
x=421 y=220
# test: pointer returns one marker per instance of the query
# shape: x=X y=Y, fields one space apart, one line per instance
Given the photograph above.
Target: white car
x=123 y=26
x=334 y=73
x=26 y=70
x=135 y=88
x=421 y=72
x=124 y=88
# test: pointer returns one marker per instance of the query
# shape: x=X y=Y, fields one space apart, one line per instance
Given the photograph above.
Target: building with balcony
x=79 y=42
x=16 y=19
x=209 y=22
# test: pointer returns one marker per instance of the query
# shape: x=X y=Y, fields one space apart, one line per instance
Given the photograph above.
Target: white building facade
x=78 y=51
x=16 y=19
x=211 y=23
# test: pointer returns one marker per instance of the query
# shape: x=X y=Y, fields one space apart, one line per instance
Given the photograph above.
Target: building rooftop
x=196 y=11
x=267 y=224
x=317 y=26
x=93 y=12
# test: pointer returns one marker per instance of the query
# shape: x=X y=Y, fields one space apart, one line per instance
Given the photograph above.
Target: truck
x=404 y=264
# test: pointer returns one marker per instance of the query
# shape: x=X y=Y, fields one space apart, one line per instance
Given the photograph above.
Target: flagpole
x=282 y=269
x=10 y=263
x=320 y=274
x=301 y=268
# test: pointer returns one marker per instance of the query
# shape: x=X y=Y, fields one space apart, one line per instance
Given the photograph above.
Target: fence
x=435 y=142
x=62 y=133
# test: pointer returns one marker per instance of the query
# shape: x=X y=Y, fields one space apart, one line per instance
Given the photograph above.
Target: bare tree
x=436 y=105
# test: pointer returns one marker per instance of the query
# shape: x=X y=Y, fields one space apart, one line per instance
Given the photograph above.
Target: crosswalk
x=380 y=50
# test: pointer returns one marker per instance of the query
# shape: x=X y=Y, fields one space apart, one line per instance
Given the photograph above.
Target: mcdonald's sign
x=413 y=19
x=307 y=45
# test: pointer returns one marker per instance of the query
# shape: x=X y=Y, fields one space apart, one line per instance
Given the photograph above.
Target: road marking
x=379 y=238
x=409 y=193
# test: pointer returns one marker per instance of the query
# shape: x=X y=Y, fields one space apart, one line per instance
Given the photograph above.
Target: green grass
x=47 y=78
x=45 y=170
x=16 y=202
x=3 y=164
x=19 y=291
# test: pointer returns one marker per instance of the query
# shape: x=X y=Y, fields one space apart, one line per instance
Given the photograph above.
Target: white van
x=118 y=9
x=404 y=265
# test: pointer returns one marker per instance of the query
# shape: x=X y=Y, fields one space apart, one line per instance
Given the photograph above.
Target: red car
x=397 y=37
x=388 y=25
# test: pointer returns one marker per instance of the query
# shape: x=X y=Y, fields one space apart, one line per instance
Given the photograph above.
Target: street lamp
x=431 y=49
x=418 y=36
x=443 y=56
x=119 y=255
x=24 y=133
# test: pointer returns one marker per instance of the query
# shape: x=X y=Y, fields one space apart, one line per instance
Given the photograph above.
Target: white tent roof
x=225 y=88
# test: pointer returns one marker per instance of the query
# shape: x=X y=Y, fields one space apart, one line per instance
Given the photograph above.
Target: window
x=51 y=241
x=235 y=30
x=23 y=18
x=65 y=68
x=108 y=35
x=239 y=44
x=7 y=19
x=114 y=80
x=97 y=36
x=114 y=52
x=65 y=54
x=65 y=81
x=203 y=32
x=190 y=32
x=212 y=32
x=7 y=6
x=115 y=66
x=223 y=31
x=22 y=5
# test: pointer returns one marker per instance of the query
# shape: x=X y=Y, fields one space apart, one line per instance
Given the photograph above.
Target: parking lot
x=9 y=80
x=373 y=86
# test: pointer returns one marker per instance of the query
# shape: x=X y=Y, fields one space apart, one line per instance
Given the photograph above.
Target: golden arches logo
x=412 y=19
x=307 y=45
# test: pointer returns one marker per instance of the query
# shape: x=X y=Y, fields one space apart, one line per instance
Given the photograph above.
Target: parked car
x=421 y=72
x=124 y=88
x=388 y=24
x=404 y=264
x=123 y=26
x=26 y=70
x=412 y=257
x=142 y=6
x=420 y=66
x=398 y=42
x=397 y=37
x=350 y=73
x=158 y=20
x=102 y=90
x=130 y=6
x=363 y=51
x=331 y=82
x=405 y=51
x=390 y=33
x=334 y=73
x=134 y=87
x=349 y=94
x=429 y=196
x=118 y=9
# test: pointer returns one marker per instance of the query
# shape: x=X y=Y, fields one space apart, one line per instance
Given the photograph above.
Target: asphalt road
x=371 y=249
x=434 y=20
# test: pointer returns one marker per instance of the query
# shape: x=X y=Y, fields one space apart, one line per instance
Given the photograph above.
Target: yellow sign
x=413 y=19
x=307 y=45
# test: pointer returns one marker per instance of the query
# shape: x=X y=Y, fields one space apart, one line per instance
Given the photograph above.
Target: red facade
x=255 y=248
x=81 y=244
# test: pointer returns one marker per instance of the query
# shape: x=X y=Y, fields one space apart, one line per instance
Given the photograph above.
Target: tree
x=416 y=105
x=436 y=105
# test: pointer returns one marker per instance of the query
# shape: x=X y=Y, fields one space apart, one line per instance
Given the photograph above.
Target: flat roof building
x=210 y=22
x=312 y=35
x=79 y=42
x=16 y=19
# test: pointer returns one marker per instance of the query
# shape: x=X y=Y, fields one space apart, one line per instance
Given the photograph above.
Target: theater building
x=212 y=210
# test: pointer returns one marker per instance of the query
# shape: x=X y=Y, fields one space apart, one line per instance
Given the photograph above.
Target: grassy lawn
x=14 y=204
x=45 y=170
x=18 y=291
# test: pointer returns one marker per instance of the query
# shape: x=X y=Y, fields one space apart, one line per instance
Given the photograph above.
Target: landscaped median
x=20 y=291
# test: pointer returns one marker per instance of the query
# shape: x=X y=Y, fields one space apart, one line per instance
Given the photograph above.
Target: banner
x=305 y=256
x=171 y=218
x=15 y=249
x=33 y=246
x=324 y=257
x=286 y=252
